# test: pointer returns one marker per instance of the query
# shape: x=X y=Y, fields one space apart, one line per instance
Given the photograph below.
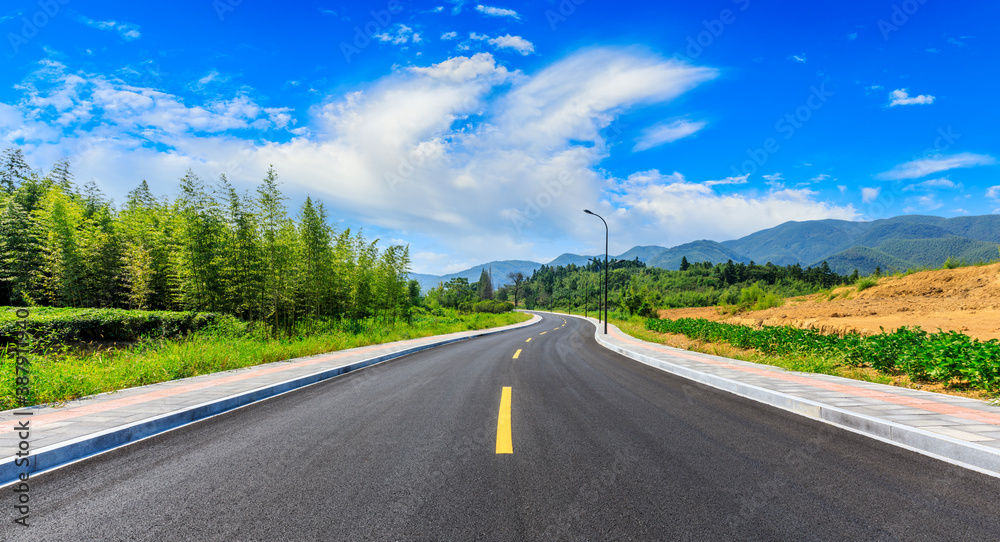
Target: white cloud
x=517 y=43
x=993 y=192
x=869 y=195
x=900 y=97
x=449 y=35
x=742 y=179
x=774 y=177
x=960 y=211
x=465 y=156
x=932 y=184
x=127 y=31
x=666 y=133
x=798 y=58
x=842 y=188
x=497 y=12
x=404 y=34
x=678 y=211
x=820 y=178
x=929 y=202
x=928 y=166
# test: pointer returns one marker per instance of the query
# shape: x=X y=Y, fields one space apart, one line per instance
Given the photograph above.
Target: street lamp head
x=588 y=211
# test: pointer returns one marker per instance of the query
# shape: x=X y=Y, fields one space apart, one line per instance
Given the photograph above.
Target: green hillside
x=865 y=260
x=934 y=252
x=697 y=251
x=798 y=242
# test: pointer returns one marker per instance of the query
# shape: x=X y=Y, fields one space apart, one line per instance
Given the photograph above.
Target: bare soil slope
x=965 y=299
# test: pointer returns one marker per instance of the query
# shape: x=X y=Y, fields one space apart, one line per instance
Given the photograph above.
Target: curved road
x=603 y=448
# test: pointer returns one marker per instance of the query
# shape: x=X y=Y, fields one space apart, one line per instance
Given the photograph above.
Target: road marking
x=543 y=333
x=556 y=329
x=504 y=443
x=518 y=353
x=529 y=340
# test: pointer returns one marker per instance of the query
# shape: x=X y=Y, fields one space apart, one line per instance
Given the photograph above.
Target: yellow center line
x=529 y=340
x=556 y=329
x=518 y=353
x=504 y=443
x=543 y=333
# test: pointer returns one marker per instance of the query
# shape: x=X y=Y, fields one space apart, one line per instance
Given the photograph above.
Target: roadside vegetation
x=216 y=278
x=945 y=357
x=64 y=370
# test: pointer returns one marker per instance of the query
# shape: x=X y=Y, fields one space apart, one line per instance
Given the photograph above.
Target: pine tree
x=485 y=286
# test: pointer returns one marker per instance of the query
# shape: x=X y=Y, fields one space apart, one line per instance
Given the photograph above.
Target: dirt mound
x=965 y=299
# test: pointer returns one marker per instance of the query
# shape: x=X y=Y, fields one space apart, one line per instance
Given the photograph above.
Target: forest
x=640 y=290
x=210 y=248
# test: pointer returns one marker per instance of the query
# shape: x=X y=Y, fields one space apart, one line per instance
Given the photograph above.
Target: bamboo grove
x=213 y=248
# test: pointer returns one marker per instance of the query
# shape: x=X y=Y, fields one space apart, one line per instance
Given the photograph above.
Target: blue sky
x=476 y=132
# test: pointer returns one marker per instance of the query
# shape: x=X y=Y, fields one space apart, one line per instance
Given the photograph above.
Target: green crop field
x=943 y=356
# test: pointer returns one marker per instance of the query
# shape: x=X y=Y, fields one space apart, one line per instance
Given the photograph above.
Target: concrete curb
x=62 y=453
x=967 y=454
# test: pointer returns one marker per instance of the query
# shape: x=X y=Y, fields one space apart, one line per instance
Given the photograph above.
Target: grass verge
x=62 y=375
x=636 y=327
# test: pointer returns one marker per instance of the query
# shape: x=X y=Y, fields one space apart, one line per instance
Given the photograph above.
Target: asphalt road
x=604 y=448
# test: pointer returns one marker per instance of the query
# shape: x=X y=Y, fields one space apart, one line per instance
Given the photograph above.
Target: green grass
x=58 y=376
x=867 y=282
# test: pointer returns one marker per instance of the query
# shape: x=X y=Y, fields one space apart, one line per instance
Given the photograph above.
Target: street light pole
x=589 y=212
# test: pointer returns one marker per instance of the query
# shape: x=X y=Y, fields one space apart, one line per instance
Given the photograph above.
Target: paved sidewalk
x=94 y=424
x=956 y=429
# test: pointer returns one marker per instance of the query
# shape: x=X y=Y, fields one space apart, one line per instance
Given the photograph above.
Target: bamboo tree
x=143 y=224
x=198 y=236
x=273 y=224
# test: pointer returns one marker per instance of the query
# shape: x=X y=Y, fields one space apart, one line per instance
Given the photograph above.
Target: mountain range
x=898 y=243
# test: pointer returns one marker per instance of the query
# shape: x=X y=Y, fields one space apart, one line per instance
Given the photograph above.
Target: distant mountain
x=697 y=251
x=798 y=242
x=645 y=254
x=499 y=268
x=566 y=259
x=896 y=243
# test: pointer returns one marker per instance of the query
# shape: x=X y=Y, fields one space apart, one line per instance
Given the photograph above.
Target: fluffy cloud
x=464 y=156
x=680 y=210
x=869 y=195
x=928 y=166
x=666 y=133
x=497 y=12
x=516 y=43
x=901 y=97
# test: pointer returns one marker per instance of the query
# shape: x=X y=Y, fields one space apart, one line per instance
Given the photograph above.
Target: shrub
x=867 y=282
x=61 y=325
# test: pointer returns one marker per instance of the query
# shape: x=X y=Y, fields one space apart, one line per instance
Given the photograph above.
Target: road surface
x=583 y=444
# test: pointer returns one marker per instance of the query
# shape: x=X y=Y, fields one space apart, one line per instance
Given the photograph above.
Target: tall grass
x=63 y=374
